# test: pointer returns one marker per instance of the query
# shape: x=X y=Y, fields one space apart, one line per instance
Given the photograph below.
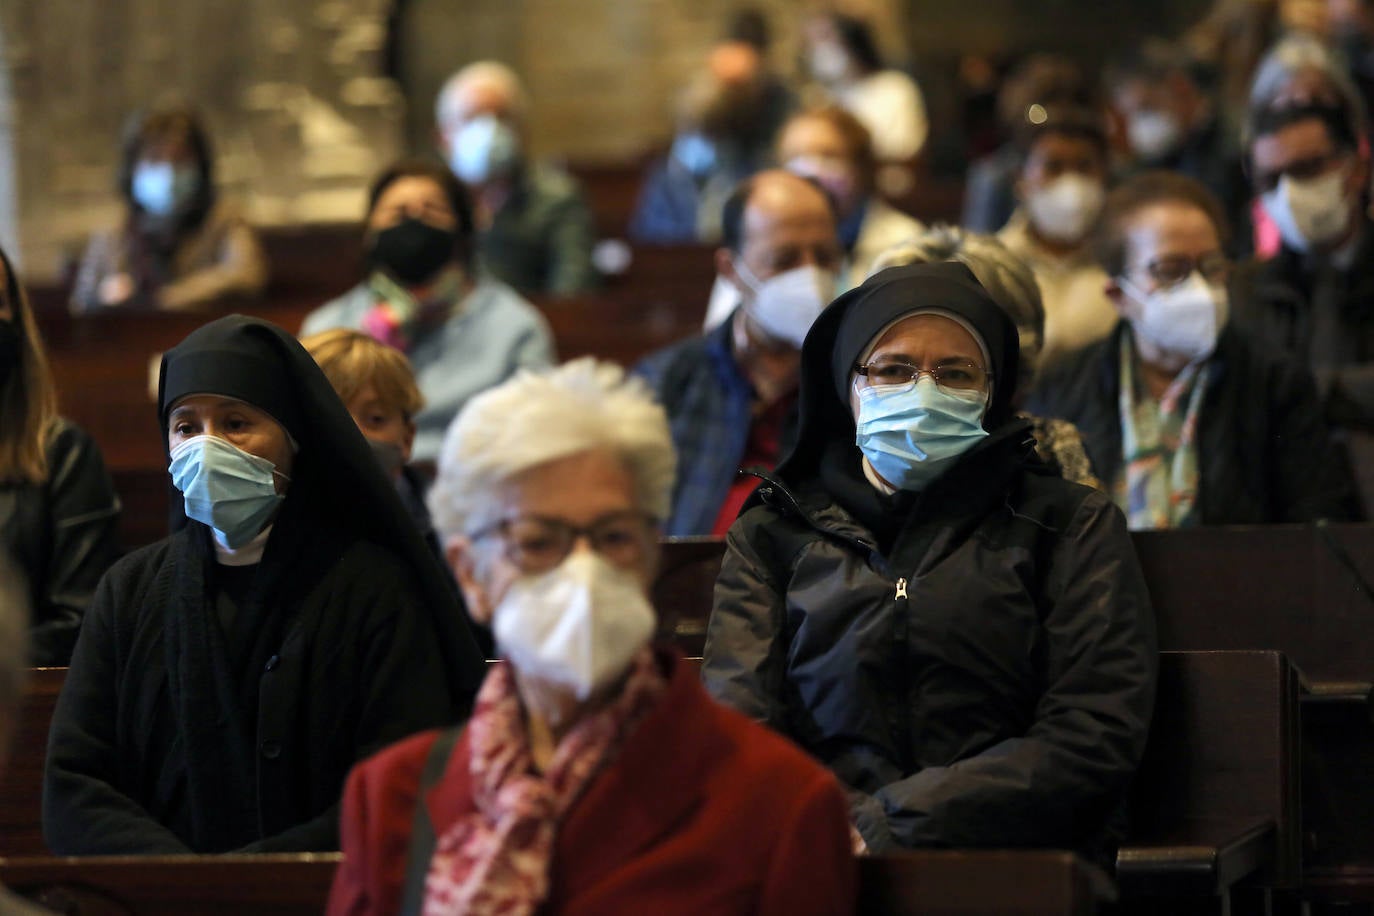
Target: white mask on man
x=578 y=625
x=482 y=149
x=1154 y=134
x=1066 y=208
x=1309 y=212
x=1182 y=320
x=786 y=305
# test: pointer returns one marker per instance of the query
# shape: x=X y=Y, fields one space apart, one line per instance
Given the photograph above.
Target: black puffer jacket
x=982 y=673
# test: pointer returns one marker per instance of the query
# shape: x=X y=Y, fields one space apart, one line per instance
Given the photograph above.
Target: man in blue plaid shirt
x=731 y=393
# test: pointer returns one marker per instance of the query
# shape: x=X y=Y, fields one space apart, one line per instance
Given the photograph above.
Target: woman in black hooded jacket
x=961 y=635
x=228 y=677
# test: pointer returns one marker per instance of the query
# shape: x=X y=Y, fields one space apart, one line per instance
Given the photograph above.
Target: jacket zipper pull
x=901 y=588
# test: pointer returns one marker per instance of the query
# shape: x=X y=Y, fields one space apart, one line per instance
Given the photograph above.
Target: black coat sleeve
x=1073 y=766
x=85 y=811
x=743 y=660
x=83 y=512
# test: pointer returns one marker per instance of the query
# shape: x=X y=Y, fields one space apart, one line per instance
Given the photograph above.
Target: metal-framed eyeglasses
x=538 y=543
x=950 y=375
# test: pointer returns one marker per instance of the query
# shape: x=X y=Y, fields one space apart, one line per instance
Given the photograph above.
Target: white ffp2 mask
x=1182 y=320
x=1066 y=208
x=1309 y=211
x=578 y=625
x=786 y=305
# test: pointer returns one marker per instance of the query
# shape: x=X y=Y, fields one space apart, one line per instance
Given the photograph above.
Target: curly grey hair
x=1007 y=278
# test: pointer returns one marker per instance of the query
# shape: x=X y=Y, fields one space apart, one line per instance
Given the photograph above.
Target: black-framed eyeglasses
x=1301 y=170
x=1170 y=270
x=538 y=543
x=952 y=375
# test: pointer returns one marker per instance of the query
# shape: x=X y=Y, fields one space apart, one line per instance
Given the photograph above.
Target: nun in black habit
x=227 y=677
x=961 y=635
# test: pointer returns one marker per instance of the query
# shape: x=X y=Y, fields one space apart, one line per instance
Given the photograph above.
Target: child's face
x=382 y=423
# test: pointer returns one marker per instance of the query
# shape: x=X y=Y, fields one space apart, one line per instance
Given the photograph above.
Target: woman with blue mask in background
x=181 y=246
x=227 y=677
x=963 y=636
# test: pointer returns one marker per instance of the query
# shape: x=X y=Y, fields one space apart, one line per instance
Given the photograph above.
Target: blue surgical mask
x=161 y=187
x=225 y=487
x=913 y=434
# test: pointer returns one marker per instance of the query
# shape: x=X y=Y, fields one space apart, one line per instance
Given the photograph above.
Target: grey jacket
x=986 y=680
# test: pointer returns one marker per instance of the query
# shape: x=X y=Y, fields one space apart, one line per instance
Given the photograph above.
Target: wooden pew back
x=981 y=883
x=266 y=885
x=1221 y=764
x=21 y=777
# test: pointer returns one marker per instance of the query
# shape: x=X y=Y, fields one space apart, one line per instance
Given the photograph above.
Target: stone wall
x=302 y=113
x=290 y=88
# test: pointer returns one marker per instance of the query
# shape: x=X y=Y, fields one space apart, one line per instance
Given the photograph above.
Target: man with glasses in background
x=1314 y=300
x=1187 y=418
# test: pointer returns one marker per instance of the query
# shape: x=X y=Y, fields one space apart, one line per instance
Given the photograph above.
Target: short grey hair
x=1285 y=62
x=538 y=417
x=492 y=72
x=14 y=640
x=1006 y=277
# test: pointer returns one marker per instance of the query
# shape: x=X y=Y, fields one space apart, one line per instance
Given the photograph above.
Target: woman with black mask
x=960 y=634
x=58 y=510
x=228 y=677
x=463 y=332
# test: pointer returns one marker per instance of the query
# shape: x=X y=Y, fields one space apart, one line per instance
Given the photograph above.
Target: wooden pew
x=266 y=885
x=928 y=883
x=971 y=882
x=1215 y=801
x=21 y=777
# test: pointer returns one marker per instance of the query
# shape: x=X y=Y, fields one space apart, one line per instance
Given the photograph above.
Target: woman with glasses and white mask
x=963 y=636
x=595 y=775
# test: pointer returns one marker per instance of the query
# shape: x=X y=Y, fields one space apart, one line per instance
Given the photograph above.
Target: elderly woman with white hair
x=595 y=775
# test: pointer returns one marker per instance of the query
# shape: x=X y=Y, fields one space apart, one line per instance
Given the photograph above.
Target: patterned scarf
x=1158 y=484
x=395 y=317
x=496 y=859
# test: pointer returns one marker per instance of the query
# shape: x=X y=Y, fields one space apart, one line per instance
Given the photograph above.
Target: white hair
x=448 y=105
x=538 y=417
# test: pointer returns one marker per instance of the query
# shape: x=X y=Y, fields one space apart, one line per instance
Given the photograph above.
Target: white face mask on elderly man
x=578 y=625
x=1182 y=320
x=787 y=304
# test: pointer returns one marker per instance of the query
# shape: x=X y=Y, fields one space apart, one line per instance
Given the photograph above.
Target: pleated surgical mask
x=225 y=487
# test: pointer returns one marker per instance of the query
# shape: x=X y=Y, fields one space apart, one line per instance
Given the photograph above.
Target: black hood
x=842 y=332
x=338 y=490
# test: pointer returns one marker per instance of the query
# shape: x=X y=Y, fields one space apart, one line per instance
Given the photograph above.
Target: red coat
x=702 y=811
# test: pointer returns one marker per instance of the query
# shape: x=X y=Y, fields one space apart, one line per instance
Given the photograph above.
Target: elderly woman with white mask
x=595 y=775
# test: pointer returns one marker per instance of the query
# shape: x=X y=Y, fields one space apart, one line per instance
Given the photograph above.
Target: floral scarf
x=496 y=859
x=1157 y=487
x=395 y=317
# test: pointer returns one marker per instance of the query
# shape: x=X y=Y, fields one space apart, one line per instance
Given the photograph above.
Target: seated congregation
x=404 y=609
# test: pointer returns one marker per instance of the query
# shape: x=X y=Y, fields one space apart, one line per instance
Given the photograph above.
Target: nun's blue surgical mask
x=225 y=487
x=913 y=433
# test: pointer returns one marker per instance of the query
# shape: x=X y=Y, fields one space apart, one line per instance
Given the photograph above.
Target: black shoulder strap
x=422 y=837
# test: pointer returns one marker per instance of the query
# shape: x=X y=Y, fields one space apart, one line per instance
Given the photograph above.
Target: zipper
x=771 y=486
x=899 y=713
